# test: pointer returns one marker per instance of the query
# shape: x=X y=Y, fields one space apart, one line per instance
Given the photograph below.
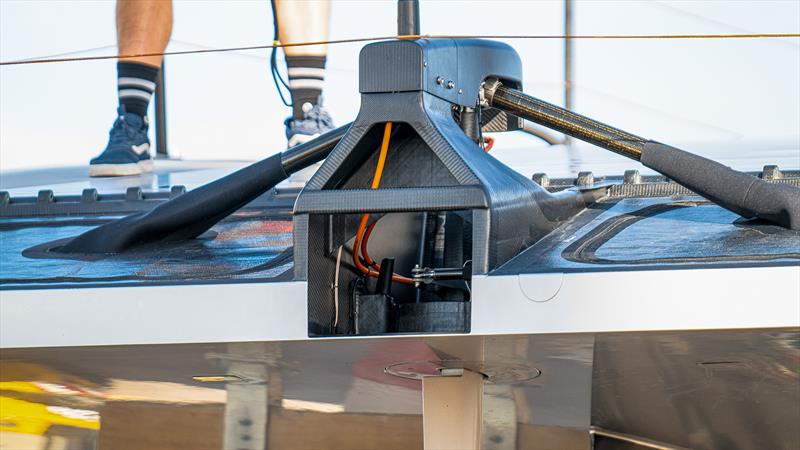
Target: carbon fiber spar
x=741 y=193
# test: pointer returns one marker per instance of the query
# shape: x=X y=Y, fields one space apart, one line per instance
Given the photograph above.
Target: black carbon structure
x=444 y=209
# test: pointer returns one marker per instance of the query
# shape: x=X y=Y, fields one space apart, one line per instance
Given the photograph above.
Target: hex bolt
x=450 y=84
x=541 y=179
x=771 y=172
x=439 y=80
x=632 y=177
x=584 y=179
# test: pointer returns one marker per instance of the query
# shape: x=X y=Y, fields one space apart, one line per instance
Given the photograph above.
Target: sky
x=737 y=100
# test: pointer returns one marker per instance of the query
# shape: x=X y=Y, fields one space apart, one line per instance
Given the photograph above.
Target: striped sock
x=135 y=85
x=306 y=74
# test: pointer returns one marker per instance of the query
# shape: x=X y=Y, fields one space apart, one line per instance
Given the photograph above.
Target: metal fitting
x=488 y=89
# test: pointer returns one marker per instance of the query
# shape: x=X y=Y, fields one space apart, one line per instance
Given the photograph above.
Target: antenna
x=407 y=17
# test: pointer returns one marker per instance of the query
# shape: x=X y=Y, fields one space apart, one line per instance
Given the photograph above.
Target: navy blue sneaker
x=128 y=149
x=315 y=121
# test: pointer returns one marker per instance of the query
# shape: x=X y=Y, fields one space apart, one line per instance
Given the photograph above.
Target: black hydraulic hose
x=741 y=193
x=196 y=211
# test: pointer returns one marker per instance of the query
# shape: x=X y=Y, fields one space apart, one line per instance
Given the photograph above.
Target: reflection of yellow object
x=20 y=386
x=20 y=416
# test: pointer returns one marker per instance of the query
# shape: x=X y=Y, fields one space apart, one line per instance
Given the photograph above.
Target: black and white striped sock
x=306 y=75
x=135 y=85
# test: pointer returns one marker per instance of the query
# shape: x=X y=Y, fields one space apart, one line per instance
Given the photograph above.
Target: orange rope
x=422 y=36
x=376 y=181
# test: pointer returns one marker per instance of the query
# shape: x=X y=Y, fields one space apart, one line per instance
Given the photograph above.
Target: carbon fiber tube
x=741 y=193
x=564 y=121
x=303 y=155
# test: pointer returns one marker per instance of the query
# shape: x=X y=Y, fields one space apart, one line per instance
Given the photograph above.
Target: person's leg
x=305 y=21
x=143 y=26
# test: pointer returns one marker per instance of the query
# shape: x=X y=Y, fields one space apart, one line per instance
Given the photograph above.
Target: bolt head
x=450 y=84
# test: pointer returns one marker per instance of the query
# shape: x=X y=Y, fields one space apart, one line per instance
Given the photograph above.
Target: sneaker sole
x=298 y=139
x=146 y=165
x=120 y=170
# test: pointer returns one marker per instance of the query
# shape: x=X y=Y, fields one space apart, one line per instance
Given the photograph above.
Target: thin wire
x=199 y=51
x=336 y=288
x=709 y=20
x=72 y=52
x=406 y=37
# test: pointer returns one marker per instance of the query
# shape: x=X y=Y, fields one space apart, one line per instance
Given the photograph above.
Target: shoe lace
x=320 y=116
x=122 y=129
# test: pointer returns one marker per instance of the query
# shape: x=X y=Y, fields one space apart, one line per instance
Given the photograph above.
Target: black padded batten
x=736 y=191
x=184 y=217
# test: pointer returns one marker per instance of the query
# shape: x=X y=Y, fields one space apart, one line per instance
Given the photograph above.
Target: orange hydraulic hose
x=357 y=246
x=387 y=134
x=488 y=144
x=376 y=181
x=364 y=252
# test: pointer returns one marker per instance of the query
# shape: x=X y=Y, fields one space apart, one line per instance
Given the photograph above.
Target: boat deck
x=649 y=225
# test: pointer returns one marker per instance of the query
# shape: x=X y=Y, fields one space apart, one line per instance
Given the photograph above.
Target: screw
x=450 y=84
x=424 y=63
x=439 y=80
x=460 y=91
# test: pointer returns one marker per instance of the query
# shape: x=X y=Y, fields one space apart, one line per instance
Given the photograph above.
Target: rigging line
x=254 y=58
x=408 y=37
x=70 y=53
x=710 y=20
x=200 y=51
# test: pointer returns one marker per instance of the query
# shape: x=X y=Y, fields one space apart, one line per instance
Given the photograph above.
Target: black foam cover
x=184 y=217
x=739 y=192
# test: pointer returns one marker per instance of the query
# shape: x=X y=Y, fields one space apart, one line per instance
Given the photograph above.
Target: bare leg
x=143 y=26
x=303 y=21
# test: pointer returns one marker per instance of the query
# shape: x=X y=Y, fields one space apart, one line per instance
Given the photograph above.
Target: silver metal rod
x=161 y=114
x=421 y=251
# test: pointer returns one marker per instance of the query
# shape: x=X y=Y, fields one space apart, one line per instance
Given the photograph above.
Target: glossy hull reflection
x=540 y=392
